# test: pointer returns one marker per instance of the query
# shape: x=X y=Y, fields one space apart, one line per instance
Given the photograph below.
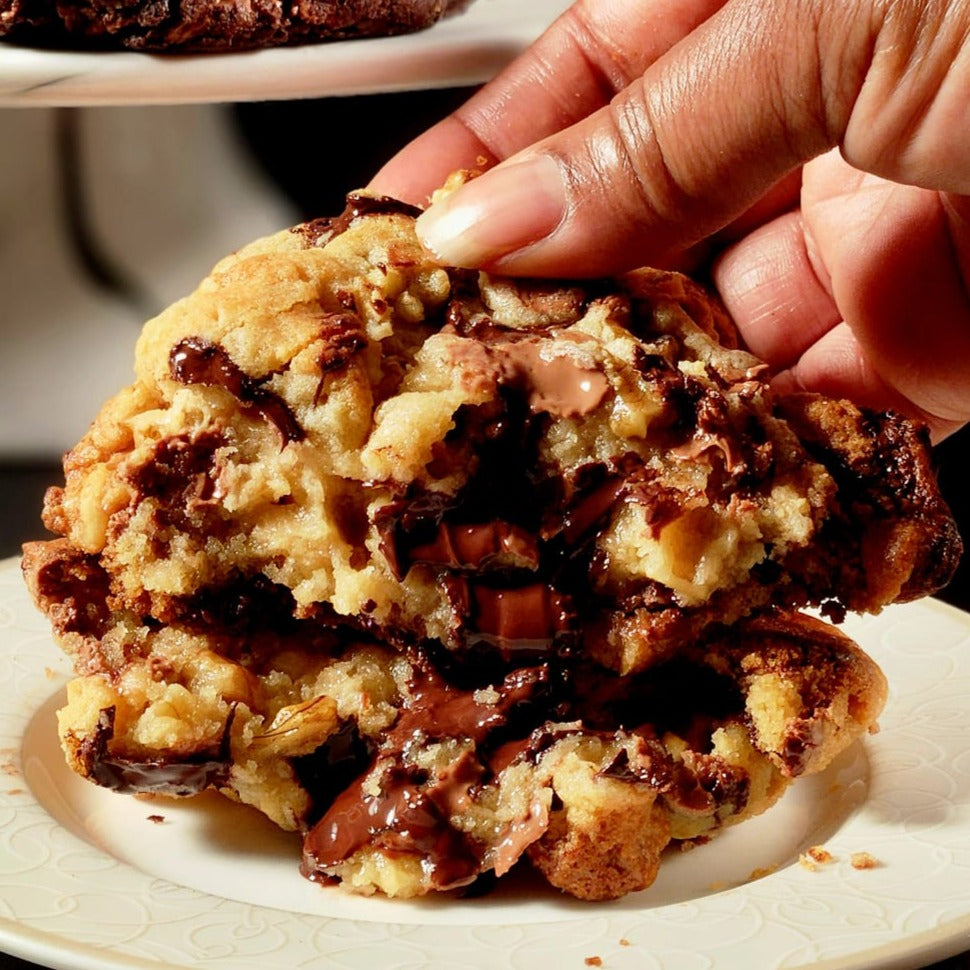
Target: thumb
x=754 y=92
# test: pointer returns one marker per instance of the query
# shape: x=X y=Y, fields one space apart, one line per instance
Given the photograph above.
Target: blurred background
x=109 y=214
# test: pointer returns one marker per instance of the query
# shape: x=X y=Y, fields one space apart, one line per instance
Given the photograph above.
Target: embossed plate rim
x=64 y=903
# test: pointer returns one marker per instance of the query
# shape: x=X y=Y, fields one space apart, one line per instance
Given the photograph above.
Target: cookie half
x=337 y=425
x=408 y=775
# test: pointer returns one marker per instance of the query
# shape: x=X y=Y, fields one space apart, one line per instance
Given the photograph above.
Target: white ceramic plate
x=463 y=49
x=91 y=880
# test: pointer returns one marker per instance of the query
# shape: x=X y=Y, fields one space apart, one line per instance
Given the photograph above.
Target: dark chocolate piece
x=179 y=776
x=195 y=360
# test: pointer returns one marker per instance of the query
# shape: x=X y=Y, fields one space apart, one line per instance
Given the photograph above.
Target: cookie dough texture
x=211 y=25
x=514 y=565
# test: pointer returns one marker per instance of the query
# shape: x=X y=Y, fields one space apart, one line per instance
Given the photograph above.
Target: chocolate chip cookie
x=367 y=528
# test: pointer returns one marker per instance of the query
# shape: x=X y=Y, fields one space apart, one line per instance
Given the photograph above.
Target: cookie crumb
x=761 y=872
x=863 y=860
x=625 y=942
x=815 y=856
x=486 y=695
x=157 y=819
x=594 y=961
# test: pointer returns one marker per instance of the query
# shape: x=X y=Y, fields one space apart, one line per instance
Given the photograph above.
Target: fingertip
x=486 y=222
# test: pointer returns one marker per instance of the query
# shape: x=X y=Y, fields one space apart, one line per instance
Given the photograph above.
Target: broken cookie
x=444 y=569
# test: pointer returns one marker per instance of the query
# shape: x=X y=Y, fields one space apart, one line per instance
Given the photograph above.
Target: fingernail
x=496 y=214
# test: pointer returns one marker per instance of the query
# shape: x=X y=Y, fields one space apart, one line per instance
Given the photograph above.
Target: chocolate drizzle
x=195 y=360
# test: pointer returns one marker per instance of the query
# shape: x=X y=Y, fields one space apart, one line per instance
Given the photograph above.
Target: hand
x=817 y=152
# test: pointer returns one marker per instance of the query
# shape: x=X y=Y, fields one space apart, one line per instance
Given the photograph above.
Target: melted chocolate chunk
x=656 y=697
x=728 y=785
x=333 y=767
x=320 y=231
x=343 y=336
x=182 y=464
x=195 y=360
x=176 y=777
x=243 y=604
x=315 y=232
x=406 y=816
x=183 y=474
x=75 y=589
x=406 y=809
x=437 y=709
x=623 y=769
x=350 y=516
x=429 y=529
x=680 y=786
x=590 y=510
x=477 y=545
x=557 y=385
x=660 y=504
x=539 y=367
x=492 y=529
x=519 y=619
x=362 y=204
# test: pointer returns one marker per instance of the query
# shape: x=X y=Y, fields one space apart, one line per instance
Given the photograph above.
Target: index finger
x=589 y=54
